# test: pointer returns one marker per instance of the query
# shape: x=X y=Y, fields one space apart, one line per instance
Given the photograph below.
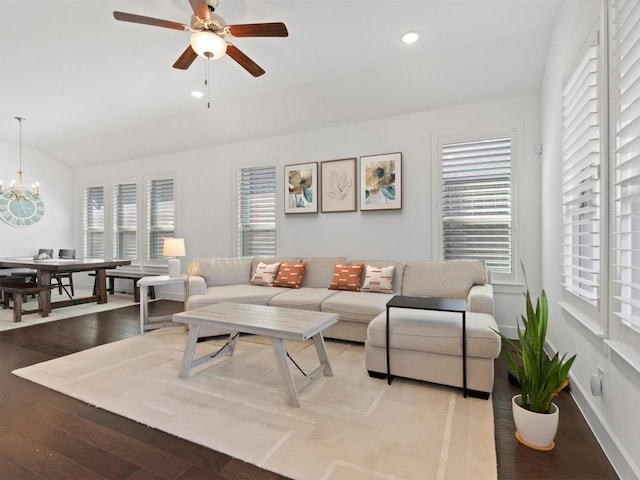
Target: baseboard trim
x=621 y=461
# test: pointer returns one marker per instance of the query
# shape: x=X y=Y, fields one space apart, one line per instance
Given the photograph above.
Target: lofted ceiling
x=95 y=90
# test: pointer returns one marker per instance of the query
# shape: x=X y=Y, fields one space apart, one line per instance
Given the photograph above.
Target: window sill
x=626 y=353
x=578 y=316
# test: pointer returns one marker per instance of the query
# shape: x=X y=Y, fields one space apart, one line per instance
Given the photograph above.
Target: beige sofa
x=424 y=345
x=228 y=280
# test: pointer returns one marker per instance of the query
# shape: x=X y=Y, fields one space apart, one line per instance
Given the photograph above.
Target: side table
x=432 y=303
x=147 y=322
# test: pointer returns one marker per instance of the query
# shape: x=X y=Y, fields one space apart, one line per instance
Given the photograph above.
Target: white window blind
x=476 y=202
x=581 y=179
x=257 y=211
x=160 y=215
x=125 y=221
x=626 y=117
x=93 y=220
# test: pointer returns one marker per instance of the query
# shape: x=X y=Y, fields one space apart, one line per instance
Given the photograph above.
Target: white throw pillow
x=378 y=279
x=265 y=274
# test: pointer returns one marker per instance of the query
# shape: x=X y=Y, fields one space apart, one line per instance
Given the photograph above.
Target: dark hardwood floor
x=46 y=435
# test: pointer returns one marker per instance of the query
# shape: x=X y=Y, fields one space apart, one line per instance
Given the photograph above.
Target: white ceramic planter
x=535 y=430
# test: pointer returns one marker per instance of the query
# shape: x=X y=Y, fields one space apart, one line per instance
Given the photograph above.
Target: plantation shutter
x=257 y=211
x=125 y=221
x=626 y=119
x=476 y=202
x=93 y=216
x=581 y=179
x=160 y=215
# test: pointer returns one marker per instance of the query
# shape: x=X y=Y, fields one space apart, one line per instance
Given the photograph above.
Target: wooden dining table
x=44 y=268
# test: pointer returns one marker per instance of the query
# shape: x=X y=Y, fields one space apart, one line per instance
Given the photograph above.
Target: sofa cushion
x=255 y=261
x=446 y=279
x=265 y=274
x=436 y=332
x=347 y=277
x=398 y=268
x=305 y=298
x=242 y=293
x=222 y=271
x=290 y=275
x=356 y=306
x=378 y=279
x=319 y=271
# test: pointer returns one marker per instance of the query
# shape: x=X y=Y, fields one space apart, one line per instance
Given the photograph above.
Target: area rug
x=349 y=426
x=113 y=301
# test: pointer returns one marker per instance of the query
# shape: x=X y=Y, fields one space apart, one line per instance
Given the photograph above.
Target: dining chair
x=62 y=275
x=33 y=279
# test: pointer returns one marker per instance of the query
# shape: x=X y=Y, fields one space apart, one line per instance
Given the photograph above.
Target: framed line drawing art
x=301 y=193
x=381 y=182
x=338 y=182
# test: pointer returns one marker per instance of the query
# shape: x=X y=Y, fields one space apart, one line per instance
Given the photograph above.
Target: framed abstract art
x=381 y=182
x=301 y=188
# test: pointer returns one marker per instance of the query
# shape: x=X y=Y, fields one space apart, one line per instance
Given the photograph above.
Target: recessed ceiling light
x=410 y=37
x=197 y=94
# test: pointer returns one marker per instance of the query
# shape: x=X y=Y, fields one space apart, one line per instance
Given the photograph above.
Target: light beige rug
x=349 y=426
x=113 y=301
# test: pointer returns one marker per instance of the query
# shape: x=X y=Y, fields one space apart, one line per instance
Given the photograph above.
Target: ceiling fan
x=209 y=32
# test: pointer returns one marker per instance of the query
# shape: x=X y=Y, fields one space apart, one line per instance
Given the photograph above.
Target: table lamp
x=173 y=247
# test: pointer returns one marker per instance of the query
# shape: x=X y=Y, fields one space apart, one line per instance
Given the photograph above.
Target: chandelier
x=17 y=191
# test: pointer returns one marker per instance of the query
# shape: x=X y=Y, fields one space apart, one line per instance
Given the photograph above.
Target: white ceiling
x=95 y=90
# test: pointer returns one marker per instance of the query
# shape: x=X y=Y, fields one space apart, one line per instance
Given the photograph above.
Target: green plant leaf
x=541 y=378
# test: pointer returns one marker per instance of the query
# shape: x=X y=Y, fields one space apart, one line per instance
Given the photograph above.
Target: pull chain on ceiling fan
x=209 y=33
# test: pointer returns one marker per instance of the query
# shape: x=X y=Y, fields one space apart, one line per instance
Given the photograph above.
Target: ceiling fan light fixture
x=208 y=45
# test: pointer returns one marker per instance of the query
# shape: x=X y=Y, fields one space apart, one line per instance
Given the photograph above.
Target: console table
x=147 y=322
x=431 y=303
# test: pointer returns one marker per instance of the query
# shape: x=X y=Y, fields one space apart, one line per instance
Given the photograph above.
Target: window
x=476 y=201
x=93 y=219
x=160 y=215
x=125 y=221
x=625 y=81
x=257 y=211
x=581 y=158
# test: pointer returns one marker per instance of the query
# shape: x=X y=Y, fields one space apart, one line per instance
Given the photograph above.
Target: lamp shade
x=208 y=45
x=173 y=247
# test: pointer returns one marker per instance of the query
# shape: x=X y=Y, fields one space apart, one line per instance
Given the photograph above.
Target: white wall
x=614 y=416
x=206 y=189
x=54 y=229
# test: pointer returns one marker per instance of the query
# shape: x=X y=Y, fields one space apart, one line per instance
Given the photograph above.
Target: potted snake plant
x=540 y=378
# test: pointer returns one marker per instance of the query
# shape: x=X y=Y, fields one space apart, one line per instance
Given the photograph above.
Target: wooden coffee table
x=277 y=323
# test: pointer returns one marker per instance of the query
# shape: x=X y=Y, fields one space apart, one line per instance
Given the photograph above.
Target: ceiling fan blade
x=276 y=29
x=156 y=22
x=186 y=59
x=200 y=8
x=245 y=62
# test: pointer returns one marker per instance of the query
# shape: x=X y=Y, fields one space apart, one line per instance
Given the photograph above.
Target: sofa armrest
x=480 y=299
x=197 y=285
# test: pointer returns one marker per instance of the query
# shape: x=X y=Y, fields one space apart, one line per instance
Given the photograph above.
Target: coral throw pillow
x=347 y=277
x=290 y=275
x=265 y=274
x=378 y=279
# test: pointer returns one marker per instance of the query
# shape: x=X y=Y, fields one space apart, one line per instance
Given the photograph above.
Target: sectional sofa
x=424 y=345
